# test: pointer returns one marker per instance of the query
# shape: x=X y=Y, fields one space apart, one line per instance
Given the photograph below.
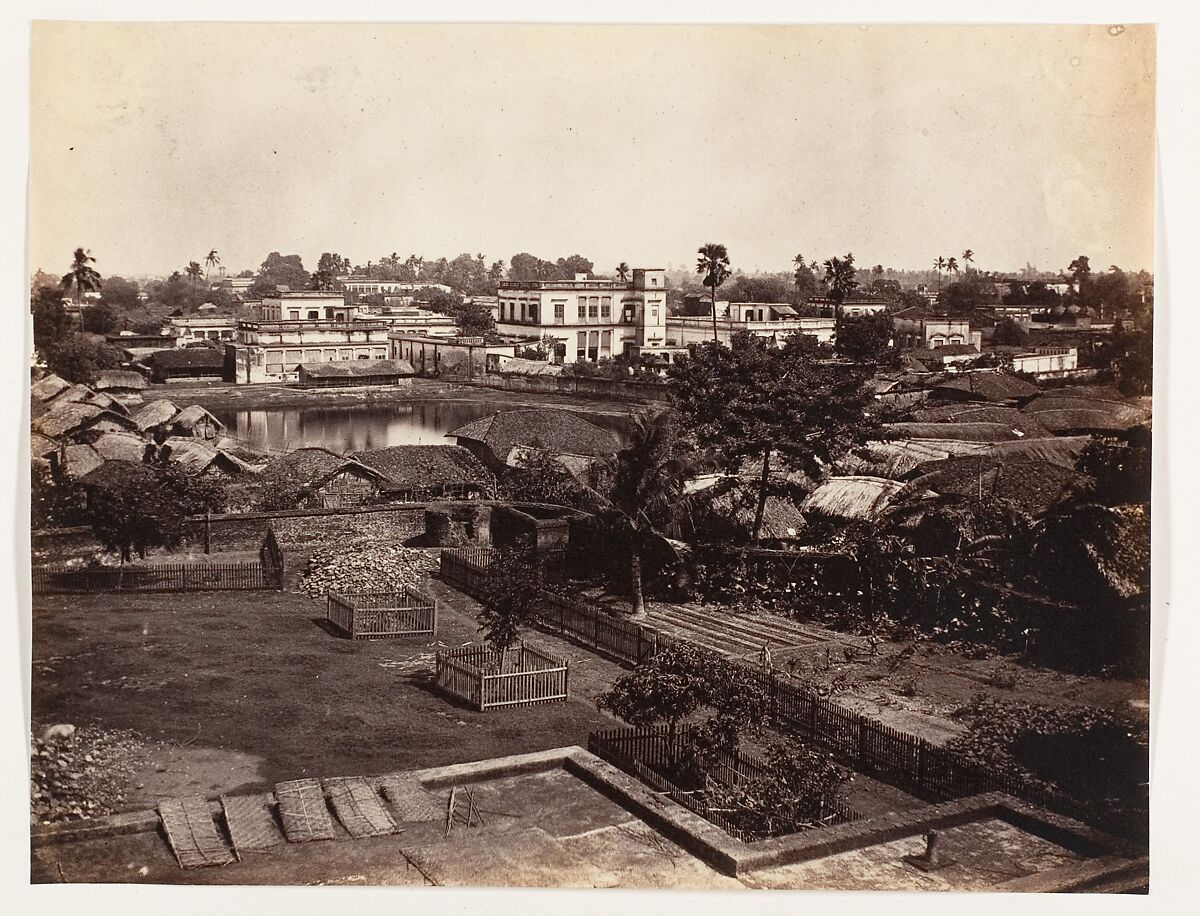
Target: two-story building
x=200 y=328
x=923 y=329
x=271 y=351
x=365 y=286
x=304 y=305
x=587 y=319
x=409 y=319
x=774 y=321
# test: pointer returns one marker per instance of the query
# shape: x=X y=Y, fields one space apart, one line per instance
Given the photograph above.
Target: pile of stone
x=364 y=565
x=79 y=772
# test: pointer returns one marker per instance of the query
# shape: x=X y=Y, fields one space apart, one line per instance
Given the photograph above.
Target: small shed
x=155 y=414
x=355 y=373
x=314 y=478
x=195 y=421
x=191 y=362
x=418 y=472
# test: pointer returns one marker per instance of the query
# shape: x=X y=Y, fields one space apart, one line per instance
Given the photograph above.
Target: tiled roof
x=417 y=466
x=969 y=432
x=995 y=387
x=358 y=368
x=557 y=430
x=1033 y=485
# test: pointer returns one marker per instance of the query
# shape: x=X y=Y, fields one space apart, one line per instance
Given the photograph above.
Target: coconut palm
x=623 y=271
x=968 y=257
x=841 y=280
x=82 y=275
x=939 y=265
x=647 y=491
x=211 y=260
x=194 y=271
x=952 y=267
x=713 y=265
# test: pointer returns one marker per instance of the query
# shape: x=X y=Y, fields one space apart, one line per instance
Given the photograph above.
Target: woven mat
x=358 y=807
x=411 y=801
x=250 y=822
x=303 y=811
x=192 y=832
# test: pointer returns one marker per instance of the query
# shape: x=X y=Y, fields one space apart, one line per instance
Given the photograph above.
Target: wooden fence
x=382 y=614
x=648 y=753
x=590 y=627
x=487 y=679
x=267 y=573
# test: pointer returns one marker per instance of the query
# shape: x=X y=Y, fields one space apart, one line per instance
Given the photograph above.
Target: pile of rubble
x=364 y=565
x=79 y=772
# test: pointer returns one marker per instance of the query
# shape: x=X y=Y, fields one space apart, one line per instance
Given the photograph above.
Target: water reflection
x=358 y=428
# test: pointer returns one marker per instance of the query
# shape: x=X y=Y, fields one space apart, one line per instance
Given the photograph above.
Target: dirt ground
x=234 y=691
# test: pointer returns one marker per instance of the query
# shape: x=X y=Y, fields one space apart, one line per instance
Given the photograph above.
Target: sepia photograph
x=684 y=457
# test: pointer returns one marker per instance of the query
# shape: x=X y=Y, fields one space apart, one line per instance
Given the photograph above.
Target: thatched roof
x=48 y=388
x=1087 y=392
x=120 y=380
x=108 y=402
x=80 y=460
x=555 y=430
x=1061 y=450
x=1086 y=421
x=1032 y=485
x=197 y=455
x=411 y=467
x=897 y=458
x=782 y=520
x=197 y=421
x=973 y=412
x=187 y=358
x=994 y=387
x=40 y=446
x=155 y=414
x=853 y=498
x=120 y=446
x=358 y=368
x=529 y=367
x=65 y=417
x=967 y=432
x=287 y=480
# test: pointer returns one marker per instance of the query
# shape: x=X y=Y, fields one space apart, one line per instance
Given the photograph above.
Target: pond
x=350 y=429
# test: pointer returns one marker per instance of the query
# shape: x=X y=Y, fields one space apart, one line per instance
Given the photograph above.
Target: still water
x=350 y=429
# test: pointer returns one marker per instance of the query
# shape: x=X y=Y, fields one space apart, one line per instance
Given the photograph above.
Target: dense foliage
x=513 y=584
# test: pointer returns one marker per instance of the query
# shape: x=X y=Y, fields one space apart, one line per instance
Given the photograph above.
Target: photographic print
x=591 y=456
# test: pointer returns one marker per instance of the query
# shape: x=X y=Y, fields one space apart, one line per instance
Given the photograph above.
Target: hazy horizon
x=153 y=143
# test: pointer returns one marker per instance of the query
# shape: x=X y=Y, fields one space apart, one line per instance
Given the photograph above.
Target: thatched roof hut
x=155 y=414
x=993 y=387
x=967 y=432
x=427 y=468
x=194 y=420
x=48 y=388
x=853 y=498
x=1034 y=486
x=120 y=381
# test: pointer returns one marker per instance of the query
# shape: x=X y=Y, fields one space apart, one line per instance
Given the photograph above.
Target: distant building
x=923 y=329
x=364 y=286
x=775 y=321
x=354 y=373
x=851 y=308
x=1047 y=362
x=193 y=330
x=271 y=351
x=410 y=319
x=466 y=357
x=589 y=320
x=189 y=363
x=306 y=305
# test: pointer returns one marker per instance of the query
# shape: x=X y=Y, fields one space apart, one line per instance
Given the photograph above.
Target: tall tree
x=1081 y=273
x=623 y=272
x=194 y=272
x=968 y=257
x=211 y=260
x=647 y=491
x=713 y=266
x=841 y=280
x=952 y=267
x=82 y=275
x=940 y=265
x=754 y=400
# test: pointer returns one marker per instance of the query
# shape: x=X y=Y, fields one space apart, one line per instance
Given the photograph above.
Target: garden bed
x=382 y=614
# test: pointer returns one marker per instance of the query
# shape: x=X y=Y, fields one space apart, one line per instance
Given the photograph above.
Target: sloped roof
x=1026 y=424
x=188 y=358
x=75 y=394
x=194 y=416
x=1033 y=485
x=782 y=520
x=1060 y=450
x=897 y=458
x=80 y=460
x=116 y=378
x=64 y=417
x=287 y=479
x=1123 y=412
x=416 y=466
x=197 y=455
x=968 y=432
x=358 y=368
x=1084 y=420
x=49 y=387
x=519 y=366
x=995 y=387
x=120 y=447
x=853 y=498
x=108 y=402
x=557 y=430
x=156 y=413
x=40 y=446
x=1087 y=392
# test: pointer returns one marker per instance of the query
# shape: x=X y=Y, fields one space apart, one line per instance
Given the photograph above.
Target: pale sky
x=152 y=144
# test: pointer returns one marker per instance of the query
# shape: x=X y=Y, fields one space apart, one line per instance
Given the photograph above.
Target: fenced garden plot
x=629 y=643
x=382 y=614
x=487 y=678
x=654 y=755
x=267 y=573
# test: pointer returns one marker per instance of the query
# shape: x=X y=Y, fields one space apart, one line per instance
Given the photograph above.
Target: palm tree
x=968 y=257
x=647 y=492
x=623 y=271
x=952 y=266
x=841 y=281
x=84 y=277
x=713 y=265
x=940 y=265
x=211 y=261
x=194 y=271
x=798 y=260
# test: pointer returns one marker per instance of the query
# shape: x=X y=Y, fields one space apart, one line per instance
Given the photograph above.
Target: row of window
x=593 y=345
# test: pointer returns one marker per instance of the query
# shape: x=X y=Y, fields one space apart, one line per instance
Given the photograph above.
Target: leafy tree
x=333 y=263
x=866 y=338
x=1009 y=334
x=55 y=503
x=99 y=318
x=279 y=270
x=1120 y=465
x=120 y=293
x=324 y=280
x=803 y=280
x=713 y=266
x=964 y=296
x=474 y=319
x=623 y=272
x=51 y=323
x=1081 y=273
x=758 y=289
x=756 y=400
x=79 y=358
x=134 y=507
x=952 y=266
x=512 y=589
x=540 y=478
x=575 y=264
x=840 y=281
x=82 y=275
x=939 y=265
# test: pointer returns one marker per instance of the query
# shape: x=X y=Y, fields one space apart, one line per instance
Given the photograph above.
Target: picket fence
x=382 y=614
x=487 y=678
